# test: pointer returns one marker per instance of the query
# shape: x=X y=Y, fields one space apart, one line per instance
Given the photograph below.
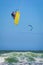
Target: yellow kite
x=16 y=17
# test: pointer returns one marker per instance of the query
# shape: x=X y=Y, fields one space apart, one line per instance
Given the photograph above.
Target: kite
x=16 y=17
x=30 y=27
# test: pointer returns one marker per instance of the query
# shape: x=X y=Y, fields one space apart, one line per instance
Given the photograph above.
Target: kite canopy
x=16 y=17
x=30 y=27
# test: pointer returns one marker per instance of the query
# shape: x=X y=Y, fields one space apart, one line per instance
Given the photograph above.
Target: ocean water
x=21 y=58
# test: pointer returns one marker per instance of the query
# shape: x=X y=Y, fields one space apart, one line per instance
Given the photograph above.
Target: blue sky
x=19 y=37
